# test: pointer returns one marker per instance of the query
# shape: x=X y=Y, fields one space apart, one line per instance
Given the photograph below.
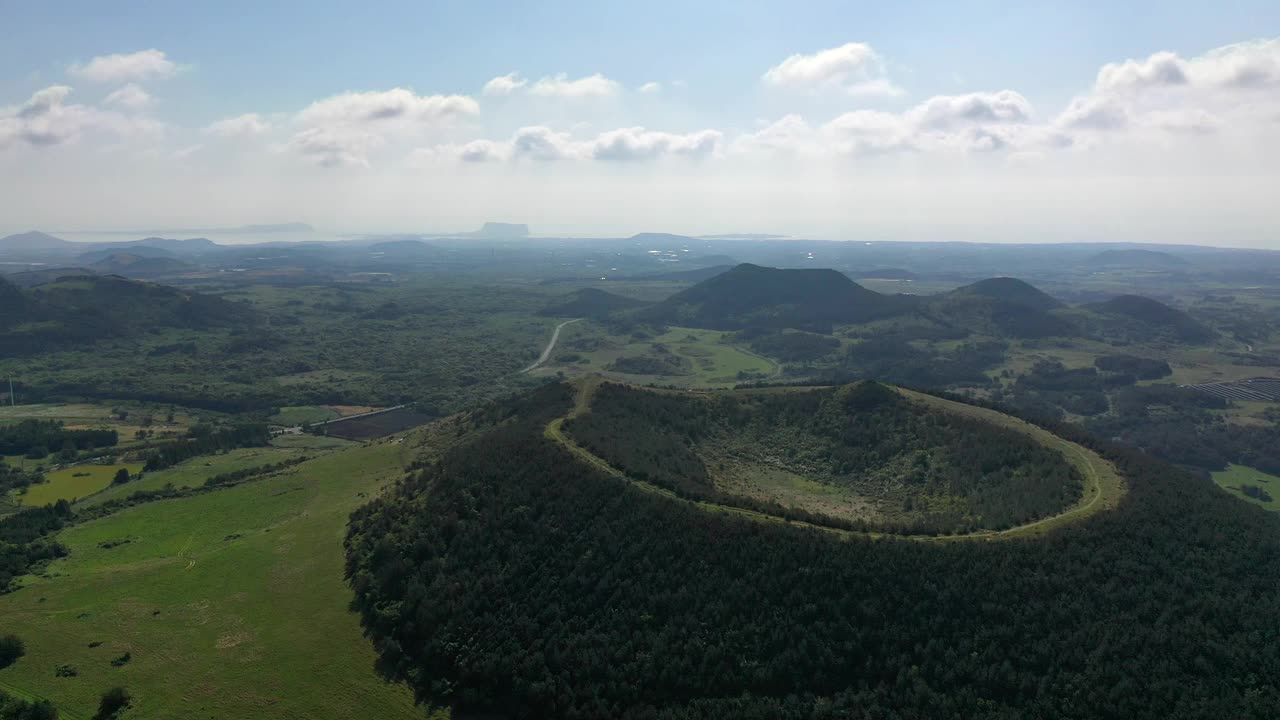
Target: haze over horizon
x=1148 y=123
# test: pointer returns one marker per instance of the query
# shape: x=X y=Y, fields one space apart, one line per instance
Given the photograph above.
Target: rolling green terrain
x=229 y=603
x=517 y=569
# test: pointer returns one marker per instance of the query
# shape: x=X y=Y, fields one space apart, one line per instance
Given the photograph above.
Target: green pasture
x=231 y=604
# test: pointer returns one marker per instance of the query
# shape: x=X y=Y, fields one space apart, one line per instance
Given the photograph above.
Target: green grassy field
x=231 y=604
x=195 y=471
x=77 y=481
x=1236 y=475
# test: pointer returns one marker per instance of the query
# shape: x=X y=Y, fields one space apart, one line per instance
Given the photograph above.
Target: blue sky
x=854 y=115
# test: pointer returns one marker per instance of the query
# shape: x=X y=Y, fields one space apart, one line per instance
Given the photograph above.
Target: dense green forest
x=204 y=440
x=23 y=543
x=50 y=435
x=943 y=472
x=510 y=579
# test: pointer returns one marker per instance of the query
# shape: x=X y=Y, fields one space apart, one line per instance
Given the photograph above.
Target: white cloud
x=186 y=152
x=560 y=86
x=869 y=132
x=478 y=151
x=650 y=87
x=637 y=143
x=542 y=143
x=46 y=119
x=1228 y=88
x=1094 y=113
x=949 y=111
x=788 y=135
x=141 y=65
x=853 y=68
x=971 y=122
x=240 y=125
x=1242 y=66
x=390 y=106
x=1162 y=69
x=504 y=84
x=130 y=96
x=335 y=147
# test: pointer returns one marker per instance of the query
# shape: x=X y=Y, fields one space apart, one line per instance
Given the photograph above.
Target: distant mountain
x=33 y=241
x=139 y=266
x=1011 y=290
x=1143 y=316
x=502 y=231
x=662 y=238
x=1006 y=307
x=78 y=311
x=142 y=251
x=592 y=303
x=1138 y=258
x=753 y=296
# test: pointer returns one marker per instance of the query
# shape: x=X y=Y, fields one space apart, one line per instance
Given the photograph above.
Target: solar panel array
x=1265 y=389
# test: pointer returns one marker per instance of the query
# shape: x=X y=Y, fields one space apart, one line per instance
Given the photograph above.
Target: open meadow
x=226 y=604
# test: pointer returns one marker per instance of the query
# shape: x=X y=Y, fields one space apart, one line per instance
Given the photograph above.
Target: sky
x=979 y=121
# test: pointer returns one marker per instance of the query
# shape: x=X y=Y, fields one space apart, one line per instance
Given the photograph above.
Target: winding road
x=550 y=346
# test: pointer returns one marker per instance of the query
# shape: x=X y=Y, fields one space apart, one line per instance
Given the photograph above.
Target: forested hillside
x=75 y=311
x=510 y=579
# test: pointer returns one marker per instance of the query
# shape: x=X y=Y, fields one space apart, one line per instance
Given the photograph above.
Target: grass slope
x=232 y=604
x=1236 y=475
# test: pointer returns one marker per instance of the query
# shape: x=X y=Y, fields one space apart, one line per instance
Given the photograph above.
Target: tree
x=122 y=477
x=11 y=648
x=113 y=701
x=37 y=453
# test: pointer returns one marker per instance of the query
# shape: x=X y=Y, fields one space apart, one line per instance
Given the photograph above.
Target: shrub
x=113 y=701
x=11 y=648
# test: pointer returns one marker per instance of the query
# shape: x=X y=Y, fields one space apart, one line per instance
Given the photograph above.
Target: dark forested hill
x=511 y=580
x=1009 y=290
x=77 y=310
x=139 y=266
x=754 y=296
x=1143 y=315
x=1005 y=307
